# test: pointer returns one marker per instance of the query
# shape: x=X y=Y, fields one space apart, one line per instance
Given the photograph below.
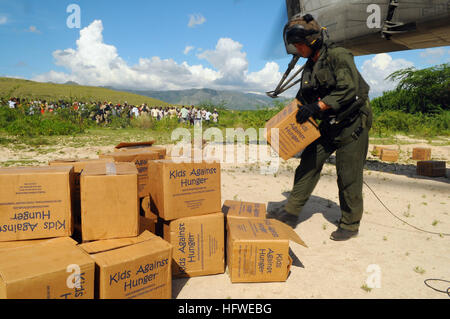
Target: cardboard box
x=124 y=146
x=292 y=137
x=151 y=220
x=24 y=243
x=146 y=207
x=78 y=166
x=132 y=268
x=199 y=244
x=141 y=146
x=148 y=224
x=35 y=202
x=238 y=209
x=184 y=189
x=432 y=168
x=109 y=201
x=258 y=250
x=141 y=159
x=44 y=269
x=421 y=154
x=377 y=150
x=388 y=155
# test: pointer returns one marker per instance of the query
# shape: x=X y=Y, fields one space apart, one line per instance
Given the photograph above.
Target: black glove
x=306 y=111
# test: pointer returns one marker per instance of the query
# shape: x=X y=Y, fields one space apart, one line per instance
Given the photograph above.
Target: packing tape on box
x=111 y=169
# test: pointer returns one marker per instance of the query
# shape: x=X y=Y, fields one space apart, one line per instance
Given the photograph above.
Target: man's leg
x=307 y=175
x=350 y=161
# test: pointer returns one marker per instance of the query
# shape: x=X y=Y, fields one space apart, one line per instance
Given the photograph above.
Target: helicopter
x=372 y=27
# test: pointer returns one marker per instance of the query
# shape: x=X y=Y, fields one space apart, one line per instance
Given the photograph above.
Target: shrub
x=118 y=122
x=390 y=122
x=418 y=91
x=15 y=122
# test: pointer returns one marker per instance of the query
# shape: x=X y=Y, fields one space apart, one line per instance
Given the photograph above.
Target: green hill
x=10 y=87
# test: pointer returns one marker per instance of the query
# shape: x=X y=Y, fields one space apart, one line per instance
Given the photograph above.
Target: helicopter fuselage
x=377 y=26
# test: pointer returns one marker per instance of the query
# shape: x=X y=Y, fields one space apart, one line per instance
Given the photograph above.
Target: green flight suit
x=335 y=80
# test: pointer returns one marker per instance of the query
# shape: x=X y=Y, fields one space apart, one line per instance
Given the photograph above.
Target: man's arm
x=347 y=80
x=324 y=106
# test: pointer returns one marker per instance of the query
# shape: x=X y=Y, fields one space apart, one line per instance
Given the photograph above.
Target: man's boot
x=343 y=234
x=285 y=217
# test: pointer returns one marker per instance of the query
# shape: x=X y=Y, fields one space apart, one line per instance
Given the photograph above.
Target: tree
x=418 y=91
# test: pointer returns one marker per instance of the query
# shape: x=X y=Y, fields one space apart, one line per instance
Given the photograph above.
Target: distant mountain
x=229 y=99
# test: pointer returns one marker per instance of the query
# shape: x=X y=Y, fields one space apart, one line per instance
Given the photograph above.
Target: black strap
x=354 y=136
x=351 y=111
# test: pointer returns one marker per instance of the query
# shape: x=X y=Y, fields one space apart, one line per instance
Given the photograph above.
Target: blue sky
x=164 y=45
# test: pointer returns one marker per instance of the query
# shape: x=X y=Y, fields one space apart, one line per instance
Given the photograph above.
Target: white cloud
x=434 y=55
x=188 y=49
x=3 y=19
x=228 y=59
x=93 y=62
x=267 y=78
x=377 y=69
x=196 y=19
x=432 y=52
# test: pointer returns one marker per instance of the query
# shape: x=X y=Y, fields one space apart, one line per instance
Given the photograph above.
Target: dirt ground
x=399 y=256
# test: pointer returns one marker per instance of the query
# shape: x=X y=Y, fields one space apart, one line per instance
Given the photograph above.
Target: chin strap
x=284 y=85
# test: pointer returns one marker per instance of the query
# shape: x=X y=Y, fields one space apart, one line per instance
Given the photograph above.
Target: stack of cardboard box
x=131 y=261
x=118 y=257
x=421 y=154
x=186 y=197
x=35 y=204
x=425 y=165
x=139 y=221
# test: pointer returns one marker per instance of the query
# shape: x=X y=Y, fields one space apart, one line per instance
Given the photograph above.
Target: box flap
x=289 y=232
x=196 y=219
x=79 y=164
x=120 y=168
x=27 y=243
x=36 y=170
x=262 y=229
x=110 y=244
x=233 y=208
x=31 y=260
x=72 y=160
x=134 y=144
x=130 y=155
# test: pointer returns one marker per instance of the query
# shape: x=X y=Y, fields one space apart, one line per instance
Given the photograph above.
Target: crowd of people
x=102 y=112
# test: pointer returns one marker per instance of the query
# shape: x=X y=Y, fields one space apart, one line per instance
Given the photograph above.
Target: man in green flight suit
x=334 y=93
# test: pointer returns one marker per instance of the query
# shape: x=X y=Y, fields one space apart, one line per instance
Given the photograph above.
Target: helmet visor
x=290 y=47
